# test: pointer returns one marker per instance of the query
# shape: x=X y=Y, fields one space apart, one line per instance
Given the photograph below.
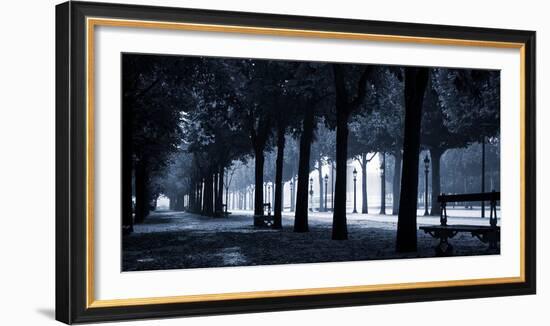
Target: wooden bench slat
x=459 y=228
x=482 y=196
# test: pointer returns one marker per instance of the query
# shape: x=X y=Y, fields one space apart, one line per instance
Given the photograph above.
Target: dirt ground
x=178 y=240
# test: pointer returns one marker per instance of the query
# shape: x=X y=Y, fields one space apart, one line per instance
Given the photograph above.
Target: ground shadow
x=46 y=312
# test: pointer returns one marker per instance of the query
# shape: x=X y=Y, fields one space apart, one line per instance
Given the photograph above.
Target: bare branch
x=373 y=155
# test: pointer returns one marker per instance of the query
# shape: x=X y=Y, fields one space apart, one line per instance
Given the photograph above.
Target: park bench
x=264 y=220
x=486 y=233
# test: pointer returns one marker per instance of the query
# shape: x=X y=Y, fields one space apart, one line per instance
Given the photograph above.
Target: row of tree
x=460 y=172
x=194 y=117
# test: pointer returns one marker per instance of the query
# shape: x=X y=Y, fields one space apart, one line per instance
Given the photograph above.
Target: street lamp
x=326 y=191
x=311 y=193
x=426 y=171
x=354 y=191
x=383 y=184
x=291 y=195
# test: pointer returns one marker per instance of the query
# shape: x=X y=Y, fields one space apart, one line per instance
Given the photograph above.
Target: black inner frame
x=71 y=162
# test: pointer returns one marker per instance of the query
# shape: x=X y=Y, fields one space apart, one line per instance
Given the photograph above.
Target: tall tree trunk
x=282 y=196
x=292 y=193
x=227 y=198
x=208 y=205
x=129 y=167
x=191 y=198
x=364 y=197
x=339 y=221
x=215 y=193
x=272 y=194
x=251 y=200
x=416 y=80
x=332 y=182
x=154 y=205
x=321 y=188
x=127 y=204
x=483 y=175
x=301 y=217
x=435 y=155
x=245 y=195
x=383 y=184
x=196 y=204
x=259 y=180
x=344 y=107
x=171 y=202
x=201 y=195
x=277 y=215
x=396 y=182
x=219 y=197
x=142 y=191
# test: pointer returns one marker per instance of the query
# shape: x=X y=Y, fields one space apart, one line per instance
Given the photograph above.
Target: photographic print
x=243 y=162
x=214 y=162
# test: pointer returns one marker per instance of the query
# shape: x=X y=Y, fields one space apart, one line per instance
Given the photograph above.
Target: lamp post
x=326 y=191
x=383 y=184
x=354 y=191
x=311 y=194
x=291 y=195
x=426 y=171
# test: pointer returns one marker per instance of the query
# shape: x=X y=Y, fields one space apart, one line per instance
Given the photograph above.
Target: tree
x=175 y=182
x=153 y=97
x=244 y=182
x=323 y=151
x=284 y=116
x=391 y=104
x=290 y=169
x=211 y=130
x=349 y=96
x=301 y=214
x=437 y=137
x=227 y=182
x=362 y=148
x=462 y=106
x=254 y=117
x=416 y=80
x=310 y=84
x=378 y=127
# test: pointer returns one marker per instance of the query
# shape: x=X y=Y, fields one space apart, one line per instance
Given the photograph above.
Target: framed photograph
x=212 y=162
